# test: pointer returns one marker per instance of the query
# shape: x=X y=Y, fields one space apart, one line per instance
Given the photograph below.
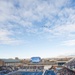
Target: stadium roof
x=10 y=60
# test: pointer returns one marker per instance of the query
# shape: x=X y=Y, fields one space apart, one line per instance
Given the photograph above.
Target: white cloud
x=69 y=43
x=63 y=24
x=65 y=29
x=61 y=30
x=22 y=16
x=5 y=38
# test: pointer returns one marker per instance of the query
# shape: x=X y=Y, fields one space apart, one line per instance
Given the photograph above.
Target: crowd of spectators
x=65 y=71
x=7 y=69
x=71 y=64
x=69 y=68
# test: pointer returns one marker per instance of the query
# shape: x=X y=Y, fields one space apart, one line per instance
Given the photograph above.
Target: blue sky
x=44 y=28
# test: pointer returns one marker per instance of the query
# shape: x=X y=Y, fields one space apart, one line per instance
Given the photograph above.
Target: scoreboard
x=35 y=59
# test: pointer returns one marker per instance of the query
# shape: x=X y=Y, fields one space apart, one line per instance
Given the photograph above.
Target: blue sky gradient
x=44 y=28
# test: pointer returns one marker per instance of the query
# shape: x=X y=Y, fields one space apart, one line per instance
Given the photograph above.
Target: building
x=37 y=64
x=10 y=62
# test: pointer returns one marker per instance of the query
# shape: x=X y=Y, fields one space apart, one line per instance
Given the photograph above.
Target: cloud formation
x=19 y=17
x=69 y=43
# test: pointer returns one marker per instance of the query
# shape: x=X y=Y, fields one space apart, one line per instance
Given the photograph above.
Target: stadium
x=37 y=37
x=38 y=66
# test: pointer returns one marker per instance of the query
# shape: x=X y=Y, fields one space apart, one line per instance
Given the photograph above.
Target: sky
x=44 y=28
